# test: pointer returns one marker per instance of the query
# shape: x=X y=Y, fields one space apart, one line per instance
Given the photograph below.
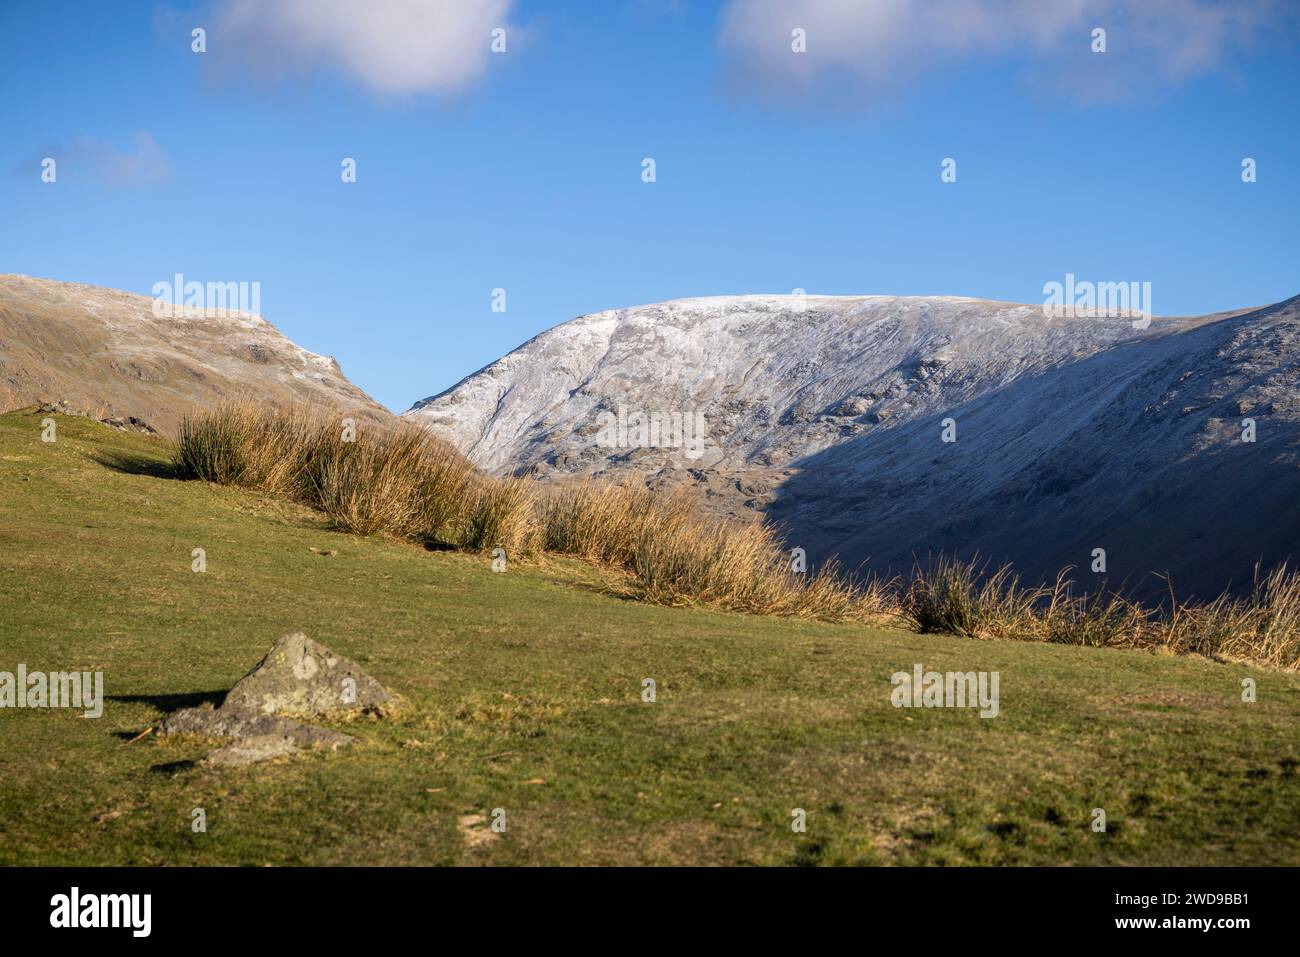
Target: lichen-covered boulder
x=299 y=676
x=224 y=722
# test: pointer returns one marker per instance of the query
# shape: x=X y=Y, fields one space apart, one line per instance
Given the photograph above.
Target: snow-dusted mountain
x=829 y=415
x=106 y=353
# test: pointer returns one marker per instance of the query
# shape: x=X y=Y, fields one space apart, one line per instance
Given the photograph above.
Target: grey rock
x=297 y=677
x=301 y=677
x=250 y=750
x=226 y=722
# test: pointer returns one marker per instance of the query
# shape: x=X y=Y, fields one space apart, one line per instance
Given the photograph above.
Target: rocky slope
x=828 y=414
x=104 y=353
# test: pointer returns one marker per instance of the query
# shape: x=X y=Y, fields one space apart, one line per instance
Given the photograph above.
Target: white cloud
x=873 y=46
x=390 y=46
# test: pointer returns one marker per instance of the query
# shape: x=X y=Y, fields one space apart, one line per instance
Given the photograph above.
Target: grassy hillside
x=104 y=352
x=523 y=691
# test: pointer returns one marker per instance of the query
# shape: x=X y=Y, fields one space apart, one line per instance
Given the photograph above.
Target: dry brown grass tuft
x=964 y=598
x=1263 y=627
x=681 y=556
x=501 y=514
x=408 y=484
x=400 y=482
x=405 y=483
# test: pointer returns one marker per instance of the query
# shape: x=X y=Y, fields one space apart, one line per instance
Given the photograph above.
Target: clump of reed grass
x=397 y=481
x=402 y=482
x=966 y=598
x=407 y=484
x=501 y=514
x=680 y=556
x=1099 y=619
x=1263 y=626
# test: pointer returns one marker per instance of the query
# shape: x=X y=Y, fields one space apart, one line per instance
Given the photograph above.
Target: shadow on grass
x=168 y=703
x=134 y=464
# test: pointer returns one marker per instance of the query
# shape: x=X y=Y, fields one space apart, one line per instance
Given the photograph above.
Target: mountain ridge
x=828 y=421
x=106 y=353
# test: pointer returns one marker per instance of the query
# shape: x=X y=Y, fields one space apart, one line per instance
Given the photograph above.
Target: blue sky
x=522 y=170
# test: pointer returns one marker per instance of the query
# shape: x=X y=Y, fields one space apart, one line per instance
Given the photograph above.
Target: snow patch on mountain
x=827 y=415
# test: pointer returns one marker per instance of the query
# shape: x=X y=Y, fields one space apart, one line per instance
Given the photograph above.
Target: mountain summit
x=886 y=428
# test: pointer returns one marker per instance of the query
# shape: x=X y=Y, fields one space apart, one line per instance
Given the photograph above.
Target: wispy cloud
x=872 y=49
x=389 y=46
x=143 y=163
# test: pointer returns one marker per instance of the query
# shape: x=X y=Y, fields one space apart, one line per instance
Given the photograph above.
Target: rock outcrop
x=297 y=679
x=301 y=677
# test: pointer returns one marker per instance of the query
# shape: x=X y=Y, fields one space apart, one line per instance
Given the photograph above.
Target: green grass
x=535 y=675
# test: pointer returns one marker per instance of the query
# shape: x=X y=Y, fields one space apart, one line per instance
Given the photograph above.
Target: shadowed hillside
x=827 y=415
